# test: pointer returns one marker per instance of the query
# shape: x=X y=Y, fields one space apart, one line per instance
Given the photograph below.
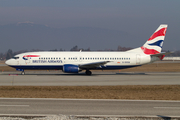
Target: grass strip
x=139 y=92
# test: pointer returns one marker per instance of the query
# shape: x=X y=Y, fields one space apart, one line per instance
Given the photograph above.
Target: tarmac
x=58 y=78
x=90 y=107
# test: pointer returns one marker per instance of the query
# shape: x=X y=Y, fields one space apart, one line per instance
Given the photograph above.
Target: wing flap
x=93 y=65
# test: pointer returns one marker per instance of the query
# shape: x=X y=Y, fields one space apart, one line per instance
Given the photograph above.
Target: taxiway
x=88 y=107
x=57 y=78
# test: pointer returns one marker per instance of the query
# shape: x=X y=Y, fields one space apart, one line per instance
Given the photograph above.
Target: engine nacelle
x=69 y=68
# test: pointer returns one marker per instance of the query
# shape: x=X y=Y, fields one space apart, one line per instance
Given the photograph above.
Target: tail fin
x=155 y=42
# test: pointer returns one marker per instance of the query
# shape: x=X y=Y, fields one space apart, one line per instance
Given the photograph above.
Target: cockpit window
x=15 y=57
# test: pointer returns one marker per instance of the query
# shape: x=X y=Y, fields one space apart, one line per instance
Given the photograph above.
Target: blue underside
x=61 y=67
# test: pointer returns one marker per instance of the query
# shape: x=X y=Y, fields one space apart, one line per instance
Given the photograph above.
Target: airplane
x=75 y=62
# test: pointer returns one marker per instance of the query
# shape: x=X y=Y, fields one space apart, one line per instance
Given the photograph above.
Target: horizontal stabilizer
x=162 y=53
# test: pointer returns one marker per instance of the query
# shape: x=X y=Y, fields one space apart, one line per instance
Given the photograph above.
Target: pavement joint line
x=61 y=99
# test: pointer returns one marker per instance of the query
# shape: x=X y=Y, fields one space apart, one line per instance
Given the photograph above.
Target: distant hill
x=27 y=36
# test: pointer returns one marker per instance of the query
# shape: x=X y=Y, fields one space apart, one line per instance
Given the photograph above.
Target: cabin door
x=138 y=59
x=26 y=58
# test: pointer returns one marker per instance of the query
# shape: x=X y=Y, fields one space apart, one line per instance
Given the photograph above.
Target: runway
x=101 y=107
x=57 y=78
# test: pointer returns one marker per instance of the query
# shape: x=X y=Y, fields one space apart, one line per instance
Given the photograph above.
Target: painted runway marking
x=14 y=105
x=167 y=107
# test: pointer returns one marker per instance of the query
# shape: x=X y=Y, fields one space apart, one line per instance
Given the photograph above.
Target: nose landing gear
x=22 y=73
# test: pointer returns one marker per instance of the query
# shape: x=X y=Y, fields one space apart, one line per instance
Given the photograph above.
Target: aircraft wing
x=93 y=65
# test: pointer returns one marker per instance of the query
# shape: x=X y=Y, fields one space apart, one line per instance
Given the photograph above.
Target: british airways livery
x=75 y=62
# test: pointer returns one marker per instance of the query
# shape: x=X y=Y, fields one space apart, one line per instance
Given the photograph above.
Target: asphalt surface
x=57 y=78
x=88 y=107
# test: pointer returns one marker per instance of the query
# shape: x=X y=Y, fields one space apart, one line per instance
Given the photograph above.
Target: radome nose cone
x=7 y=62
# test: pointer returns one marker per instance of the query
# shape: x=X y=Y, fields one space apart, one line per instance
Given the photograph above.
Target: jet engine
x=69 y=68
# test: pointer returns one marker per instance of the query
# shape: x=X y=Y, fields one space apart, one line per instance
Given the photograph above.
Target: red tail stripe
x=161 y=57
x=149 y=51
x=161 y=32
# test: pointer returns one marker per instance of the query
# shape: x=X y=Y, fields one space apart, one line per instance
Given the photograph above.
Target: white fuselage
x=56 y=60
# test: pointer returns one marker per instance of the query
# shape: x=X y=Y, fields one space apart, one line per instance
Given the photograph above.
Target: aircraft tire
x=88 y=72
x=23 y=73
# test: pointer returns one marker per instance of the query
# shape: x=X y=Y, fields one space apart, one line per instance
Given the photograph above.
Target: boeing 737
x=75 y=62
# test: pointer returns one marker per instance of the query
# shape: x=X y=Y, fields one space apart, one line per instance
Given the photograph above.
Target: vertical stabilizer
x=155 y=42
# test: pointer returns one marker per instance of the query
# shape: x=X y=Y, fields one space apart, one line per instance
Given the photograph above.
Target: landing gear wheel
x=88 y=72
x=23 y=73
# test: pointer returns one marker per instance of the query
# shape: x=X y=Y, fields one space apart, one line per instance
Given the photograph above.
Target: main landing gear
x=88 y=72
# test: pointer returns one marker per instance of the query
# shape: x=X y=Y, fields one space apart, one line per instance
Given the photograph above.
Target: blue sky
x=137 y=17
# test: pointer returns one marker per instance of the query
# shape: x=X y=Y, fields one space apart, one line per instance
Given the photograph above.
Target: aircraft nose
x=7 y=62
